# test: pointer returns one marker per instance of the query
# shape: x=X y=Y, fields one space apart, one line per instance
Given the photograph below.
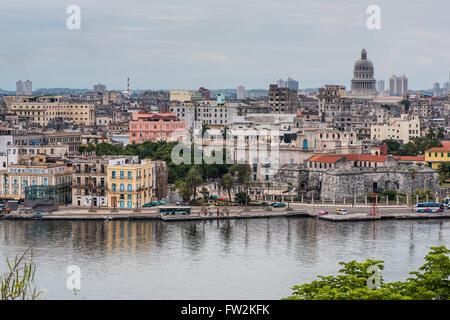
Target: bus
x=429 y=207
x=166 y=211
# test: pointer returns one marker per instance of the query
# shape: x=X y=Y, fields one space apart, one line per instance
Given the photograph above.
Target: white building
x=401 y=128
x=241 y=93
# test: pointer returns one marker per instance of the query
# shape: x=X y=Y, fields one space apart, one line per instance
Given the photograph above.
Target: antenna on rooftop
x=128 y=87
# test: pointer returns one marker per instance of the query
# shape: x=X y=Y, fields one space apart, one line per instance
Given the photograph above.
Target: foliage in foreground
x=430 y=282
x=18 y=283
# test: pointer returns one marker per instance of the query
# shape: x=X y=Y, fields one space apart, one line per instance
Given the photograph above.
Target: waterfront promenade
x=355 y=213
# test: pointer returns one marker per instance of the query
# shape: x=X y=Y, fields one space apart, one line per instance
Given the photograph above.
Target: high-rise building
x=99 y=88
x=292 y=84
x=436 y=89
x=28 y=88
x=241 y=93
x=19 y=88
x=398 y=85
x=281 y=83
x=289 y=83
x=380 y=86
x=363 y=82
x=282 y=100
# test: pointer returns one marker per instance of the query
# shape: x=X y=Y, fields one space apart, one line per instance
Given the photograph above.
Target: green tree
x=393 y=145
x=227 y=182
x=440 y=133
x=241 y=197
x=406 y=103
x=444 y=171
x=184 y=190
x=205 y=193
x=204 y=129
x=430 y=282
x=241 y=171
x=194 y=179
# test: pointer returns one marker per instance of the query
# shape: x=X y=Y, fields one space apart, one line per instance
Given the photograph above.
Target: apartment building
x=89 y=179
x=129 y=184
x=282 y=99
x=42 y=110
x=438 y=155
x=401 y=128
x=155 y=126
x=36 y=179
x=181 y=95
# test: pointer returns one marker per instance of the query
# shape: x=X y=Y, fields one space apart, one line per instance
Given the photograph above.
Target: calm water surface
x=236 y=259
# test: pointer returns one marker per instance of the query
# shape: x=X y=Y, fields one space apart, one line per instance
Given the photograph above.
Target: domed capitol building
x=363 y=82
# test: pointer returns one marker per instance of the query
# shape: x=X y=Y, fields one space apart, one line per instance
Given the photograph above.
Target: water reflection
x=221 y=257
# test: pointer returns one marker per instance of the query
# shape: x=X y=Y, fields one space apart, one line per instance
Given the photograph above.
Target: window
x=45 y=181
x=122 y=203
x=113 y=174
x=129 y=196
x=129 y=188
x=122 y=187
x=121 y=175
x=130 y=175
x=129 y=204
x=113 y=187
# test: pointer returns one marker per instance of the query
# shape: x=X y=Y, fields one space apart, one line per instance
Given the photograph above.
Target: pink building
x=155 y=126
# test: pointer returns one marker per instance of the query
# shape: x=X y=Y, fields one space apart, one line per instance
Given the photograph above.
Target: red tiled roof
x=410 y=158
x=445 y=147
x=332 y=158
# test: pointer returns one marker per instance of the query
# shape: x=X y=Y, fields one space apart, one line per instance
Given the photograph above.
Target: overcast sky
x=176 y=44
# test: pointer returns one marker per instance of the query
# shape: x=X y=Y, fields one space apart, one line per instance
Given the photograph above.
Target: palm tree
x=204 y=128
x=227 y=182
x=193 y=179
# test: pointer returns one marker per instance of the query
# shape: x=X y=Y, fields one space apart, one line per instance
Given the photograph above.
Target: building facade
x=282 y=99
x=401 y=128
x=155 y=127
x=363 y=82
x=129 y=184
x=438 y=155
x=42 y=110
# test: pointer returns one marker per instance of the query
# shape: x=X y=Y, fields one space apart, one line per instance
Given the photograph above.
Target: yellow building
x=181 y=95
x=435 y=156
x=36 y=172
x=41 y=110
x=130 y=184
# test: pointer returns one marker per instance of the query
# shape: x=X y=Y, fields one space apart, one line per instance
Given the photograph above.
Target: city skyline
x=254 y=44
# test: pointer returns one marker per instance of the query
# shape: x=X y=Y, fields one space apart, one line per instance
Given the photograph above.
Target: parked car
x=178 y=203
x=321 y=212
x=279 y=205
x=148 y=205
x=341 y=211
